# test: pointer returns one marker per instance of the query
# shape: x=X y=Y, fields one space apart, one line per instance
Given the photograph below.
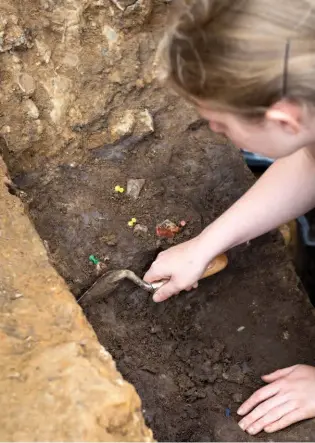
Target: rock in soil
x=140 y=230
x=134 y=187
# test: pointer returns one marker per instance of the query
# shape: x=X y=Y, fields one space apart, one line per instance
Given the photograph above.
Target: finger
x=190 y=288
x=155 y=273
x=278 y=374
x=272 y=416
x=166 y=291
x=288 y=420
x=261 y=411
x=258 y=397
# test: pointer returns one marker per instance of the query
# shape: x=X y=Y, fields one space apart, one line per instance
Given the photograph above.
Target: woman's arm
x=285 y=191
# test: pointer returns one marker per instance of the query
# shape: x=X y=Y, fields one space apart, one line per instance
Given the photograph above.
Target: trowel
x=108 y=282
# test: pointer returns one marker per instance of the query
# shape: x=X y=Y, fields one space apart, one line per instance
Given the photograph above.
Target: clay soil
x=187 y=357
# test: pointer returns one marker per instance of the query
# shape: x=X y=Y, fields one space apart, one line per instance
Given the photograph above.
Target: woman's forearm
x=284 y=192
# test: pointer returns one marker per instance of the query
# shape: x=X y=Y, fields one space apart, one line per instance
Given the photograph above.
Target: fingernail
x=242 y=426
x=240 y=411
x=252 y=430
x=156 y=298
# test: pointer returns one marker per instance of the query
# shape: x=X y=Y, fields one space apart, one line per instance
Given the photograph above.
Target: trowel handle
x=215 y=266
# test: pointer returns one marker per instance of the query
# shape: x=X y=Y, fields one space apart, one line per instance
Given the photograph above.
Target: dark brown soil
x=185 y=357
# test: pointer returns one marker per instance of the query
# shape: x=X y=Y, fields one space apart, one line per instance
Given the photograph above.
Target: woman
x=249 y=68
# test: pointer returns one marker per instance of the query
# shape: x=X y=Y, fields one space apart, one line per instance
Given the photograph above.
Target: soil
x=188 y=358
x=90 y=62
x=304 y=259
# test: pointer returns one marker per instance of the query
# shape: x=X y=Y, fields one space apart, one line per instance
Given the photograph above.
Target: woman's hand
x=182 y=265
x=289 y=397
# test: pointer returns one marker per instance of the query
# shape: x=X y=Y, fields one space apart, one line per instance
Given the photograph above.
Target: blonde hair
x=241 y=55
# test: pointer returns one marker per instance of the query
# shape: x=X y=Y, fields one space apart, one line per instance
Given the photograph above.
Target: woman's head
x=251 y=58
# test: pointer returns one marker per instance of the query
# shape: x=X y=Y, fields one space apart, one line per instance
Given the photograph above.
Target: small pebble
x=237 y=397
x=140 y=230
x=32 y=110
x=26 y=83
x=156 y=329
x=14 y=375
x=100 y=268
x=286 y=335
x=110 y=239
x=241 y=328
x=134 y=187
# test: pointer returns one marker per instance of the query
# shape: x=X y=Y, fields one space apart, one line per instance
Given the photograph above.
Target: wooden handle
x=217 y=265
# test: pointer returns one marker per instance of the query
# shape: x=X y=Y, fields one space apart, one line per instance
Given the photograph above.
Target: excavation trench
x=196 y=357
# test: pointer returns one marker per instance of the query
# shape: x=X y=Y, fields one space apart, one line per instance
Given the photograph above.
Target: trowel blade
x=103 y=286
